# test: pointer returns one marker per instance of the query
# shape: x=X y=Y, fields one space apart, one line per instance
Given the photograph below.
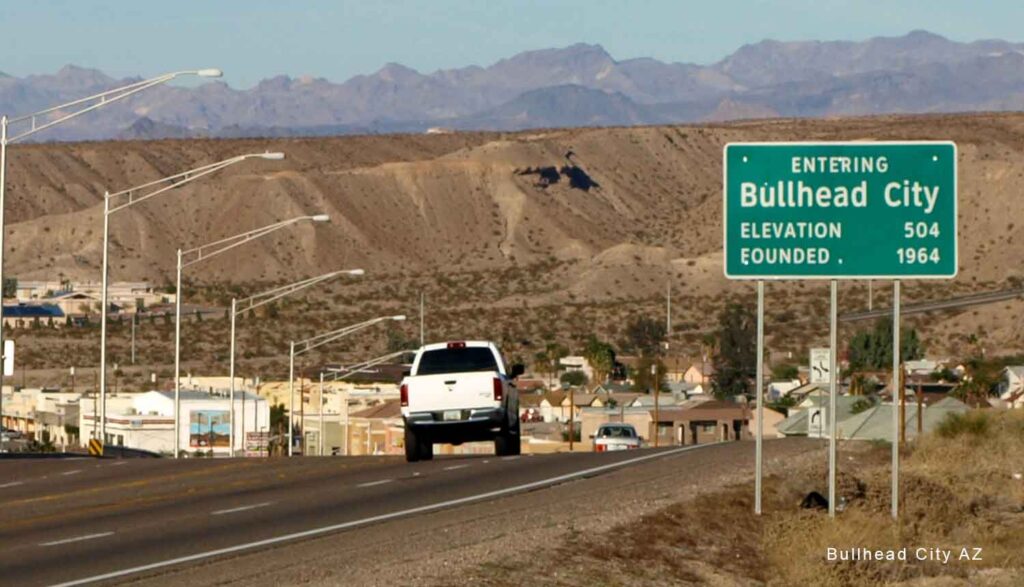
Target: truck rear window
x=458 y=360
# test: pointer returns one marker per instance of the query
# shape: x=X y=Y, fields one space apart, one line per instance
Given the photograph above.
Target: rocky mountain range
x=580 y=85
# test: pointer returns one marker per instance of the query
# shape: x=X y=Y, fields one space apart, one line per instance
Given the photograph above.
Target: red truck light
x=499 y=389
x=456 y=345
x=404 y=390
x=600 y=448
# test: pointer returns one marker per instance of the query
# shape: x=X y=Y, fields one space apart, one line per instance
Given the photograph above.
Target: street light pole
x=177 y=360
x=37 y=121
x=201 y=254
x=261 y=299
x=291 y=397
x=136 y=195
x=103 y=322
x=320 y=451
x=231 y=374
x=311 y=343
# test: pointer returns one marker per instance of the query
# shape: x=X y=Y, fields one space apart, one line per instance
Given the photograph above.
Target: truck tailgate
x=451 y=391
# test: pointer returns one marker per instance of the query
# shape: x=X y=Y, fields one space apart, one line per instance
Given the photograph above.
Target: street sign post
x=838 y=210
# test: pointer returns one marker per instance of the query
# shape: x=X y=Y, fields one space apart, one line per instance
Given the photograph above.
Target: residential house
x=376 y=430
x=876 y=423
x=701 y=372
x=30 y=315
x=772 y=419
x=575 y=363
x=810 y=416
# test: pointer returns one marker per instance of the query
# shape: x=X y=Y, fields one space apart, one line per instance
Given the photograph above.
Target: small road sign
x=868 y=210
x=95 y=447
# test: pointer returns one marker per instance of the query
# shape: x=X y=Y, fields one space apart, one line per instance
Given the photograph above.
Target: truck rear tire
x=426 y=449
x=413 y=448
x=507 y=444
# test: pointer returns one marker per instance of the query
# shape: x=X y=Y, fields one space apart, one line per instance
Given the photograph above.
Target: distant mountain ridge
x=579 y=85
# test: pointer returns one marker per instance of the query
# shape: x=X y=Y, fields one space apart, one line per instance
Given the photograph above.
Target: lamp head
x=210 y=72
x=275 y=156
x=356 y=272
x=320 y=218
x=398 y=317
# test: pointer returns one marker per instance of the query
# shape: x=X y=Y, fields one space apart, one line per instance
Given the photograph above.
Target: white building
x=577 y=363
x=146 y=421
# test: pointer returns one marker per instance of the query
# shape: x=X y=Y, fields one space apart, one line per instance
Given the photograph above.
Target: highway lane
x=115 y=517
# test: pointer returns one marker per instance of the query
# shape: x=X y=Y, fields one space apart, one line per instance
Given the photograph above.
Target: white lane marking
x=416 y=474
x=75 y=472
x=118 y=463
x=241 y=508
x=76 y=539
x=12 y=484
x=510 y=458
x=372 y=483
x=486 y=461
x=453 y=467
x=383 y=517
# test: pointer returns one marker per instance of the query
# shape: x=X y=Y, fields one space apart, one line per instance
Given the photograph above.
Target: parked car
x=611 y=437
x=459 y=392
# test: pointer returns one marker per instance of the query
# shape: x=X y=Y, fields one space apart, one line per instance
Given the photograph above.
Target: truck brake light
x=404 y=390
x=456 y=345
x=499 y=389
x=599 y=448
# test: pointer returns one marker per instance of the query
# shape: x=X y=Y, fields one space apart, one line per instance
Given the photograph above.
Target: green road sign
x=869 y=210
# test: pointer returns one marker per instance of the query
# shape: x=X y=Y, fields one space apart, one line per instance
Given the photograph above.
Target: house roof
x=530 y=400
x=796 y=423
x=876 y=423
x=32 y=311
x=383 y=411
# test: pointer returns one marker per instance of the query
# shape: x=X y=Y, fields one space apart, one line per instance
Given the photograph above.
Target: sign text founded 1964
x=840 y=210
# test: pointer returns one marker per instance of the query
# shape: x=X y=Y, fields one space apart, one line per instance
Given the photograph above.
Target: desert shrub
x=973 y=423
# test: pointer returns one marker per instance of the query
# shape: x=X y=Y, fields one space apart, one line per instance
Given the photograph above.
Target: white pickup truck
x=460 y=392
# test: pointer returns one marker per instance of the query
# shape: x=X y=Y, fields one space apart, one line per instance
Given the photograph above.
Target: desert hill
x=587 y=217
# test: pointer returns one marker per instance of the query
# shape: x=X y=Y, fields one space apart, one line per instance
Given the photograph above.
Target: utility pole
x=654 y=390
x=903 y=407
x=572 y=418
x=421 y=319
x=920 y=410
x=134 y=318
x=871 y=298
x=668 y=308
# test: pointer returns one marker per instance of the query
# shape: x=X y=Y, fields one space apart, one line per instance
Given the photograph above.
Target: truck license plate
x=452 y=415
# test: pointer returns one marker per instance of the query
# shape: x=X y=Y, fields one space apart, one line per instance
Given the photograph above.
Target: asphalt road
x=83 y=520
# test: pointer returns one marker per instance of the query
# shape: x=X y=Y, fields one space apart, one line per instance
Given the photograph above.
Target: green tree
x=872 y=349
x=573 y=378
x=641 y=376
x=645 y=335
x=10 y=287
x=601 y=357
x=785 y=371
x=735 y=362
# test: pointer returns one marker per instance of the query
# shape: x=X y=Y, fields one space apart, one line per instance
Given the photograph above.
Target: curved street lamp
x=55 y=115
x=201 y=253
x=304 y=346
x=253 y=302
x=130 y=197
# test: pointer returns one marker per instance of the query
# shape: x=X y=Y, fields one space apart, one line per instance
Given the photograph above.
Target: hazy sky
x=255 y=39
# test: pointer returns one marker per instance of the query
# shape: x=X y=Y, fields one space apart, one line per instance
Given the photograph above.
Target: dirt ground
x=959 y=493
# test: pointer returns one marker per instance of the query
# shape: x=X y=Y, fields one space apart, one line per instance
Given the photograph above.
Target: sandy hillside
x=601 y=215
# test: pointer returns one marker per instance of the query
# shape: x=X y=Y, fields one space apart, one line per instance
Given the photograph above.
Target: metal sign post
x=838 y=210
x=832 y=387
x=760 y=397
x=895 y=390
